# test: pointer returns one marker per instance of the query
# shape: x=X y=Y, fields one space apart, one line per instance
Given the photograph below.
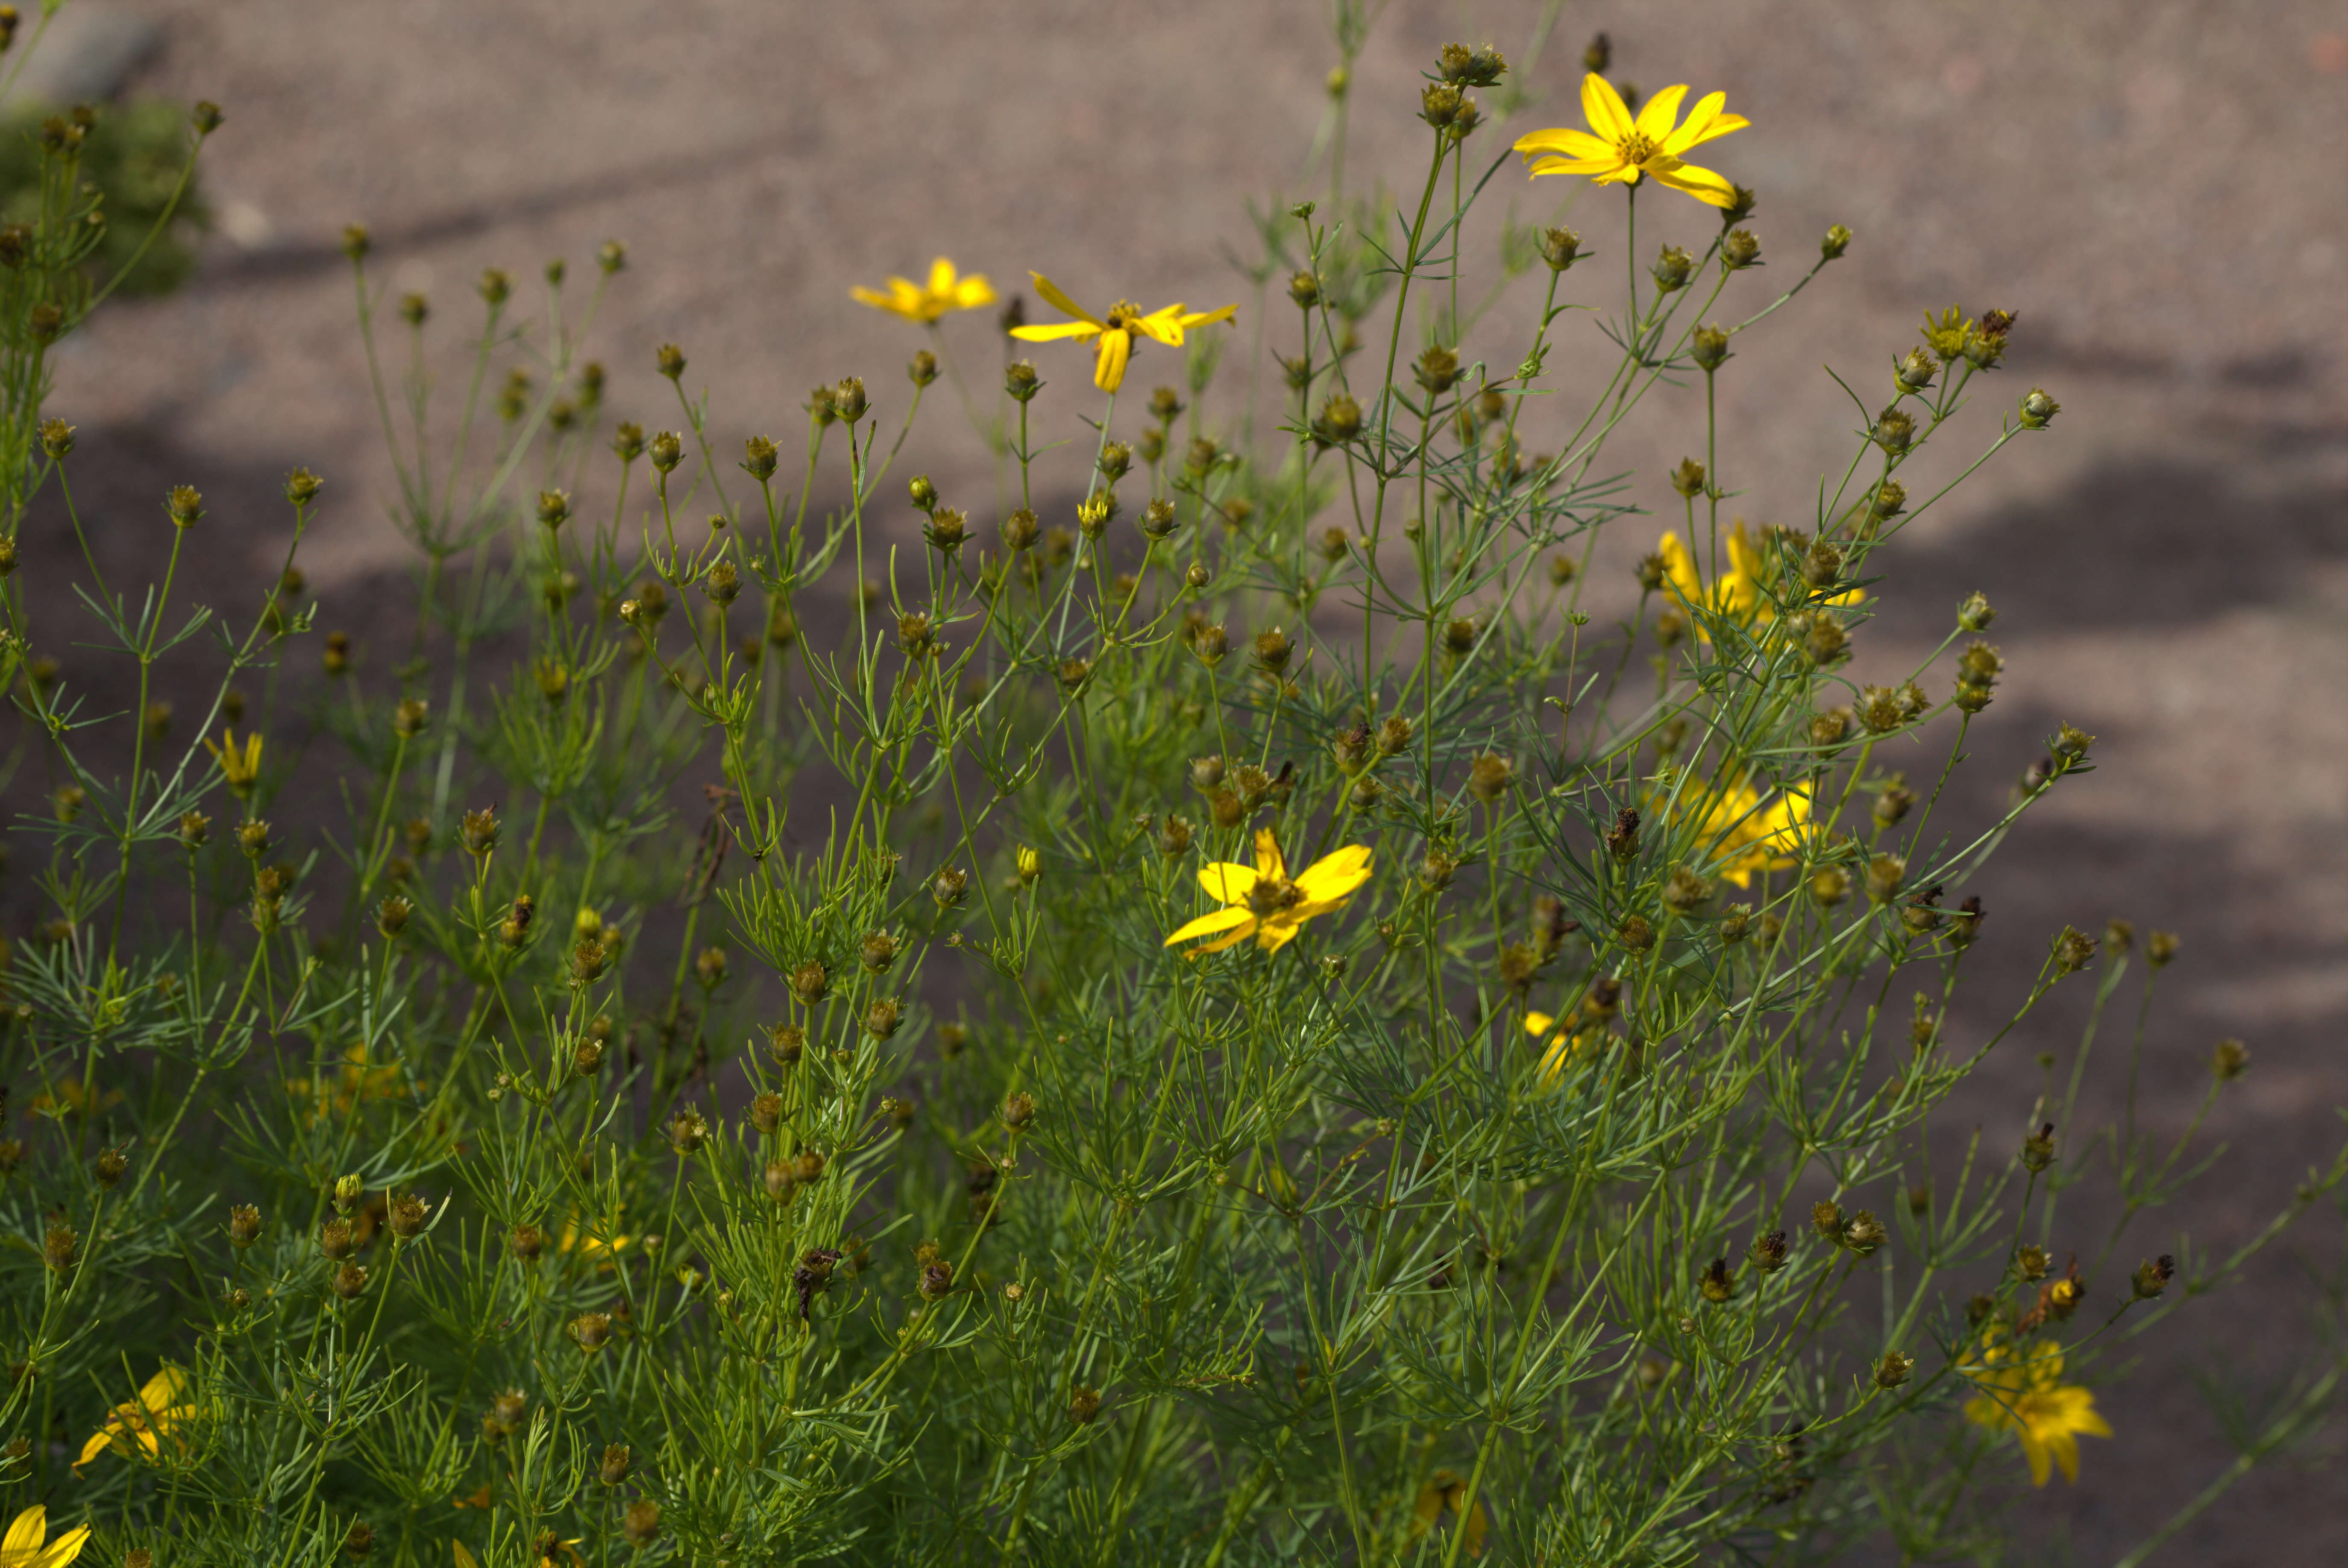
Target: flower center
x=1271 y=895
x=1636 y=148
x=1123 y=315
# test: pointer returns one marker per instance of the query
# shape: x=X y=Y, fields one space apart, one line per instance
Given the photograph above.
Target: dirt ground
x=2157 y=186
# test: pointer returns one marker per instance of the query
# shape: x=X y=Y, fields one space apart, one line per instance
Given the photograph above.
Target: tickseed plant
x=1219 y=1017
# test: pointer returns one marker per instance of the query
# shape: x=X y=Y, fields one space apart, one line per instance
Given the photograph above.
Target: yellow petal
x=1679 y=569
x=1336 y=875
x=1227 y=881
x=1704 y=184
x=972 y=293
x=1565 y=140
x=162 y=1391
x=1593 y=166
x=2037 y=1453
x=1268 y=859
x=1210 y=317
x=464 y=1558
x=1059 y=301
x=1208 y=924
x=1704 y=123
x=1603 y=108
x=1658 y=113
x=942 y=276
x=64 y=1549
x=1057 y=329
x=1273 y=935
x=98 y=1444
x=877 y=300
x=1538 y=1023
x=1239 y=934
x=26 y=1533
x=1108 y=363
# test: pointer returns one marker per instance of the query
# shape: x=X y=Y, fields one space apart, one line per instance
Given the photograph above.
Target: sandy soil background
x=2157 y=188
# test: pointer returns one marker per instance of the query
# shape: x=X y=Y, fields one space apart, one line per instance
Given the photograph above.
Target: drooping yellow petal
x=1704 y=184
x=1679 y=569
x=1269 y=862
x=96 y=1444
x=1274 y=934
x=1603 y=108
x=1209 y=924
x=1108 y=364
x=1165 y=324
x=1227 y=881
x=1210 y=317
x=1566 y=140
x=464 y=1558
x=892 y=303
x=1657 y=115
x=1239 y=933
x=1059 y=301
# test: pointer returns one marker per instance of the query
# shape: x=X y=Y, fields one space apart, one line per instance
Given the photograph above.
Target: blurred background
x=2159 y=189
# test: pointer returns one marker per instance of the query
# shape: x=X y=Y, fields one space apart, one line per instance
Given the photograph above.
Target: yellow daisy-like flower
x=1117 y=333
x=239 y=763
x=1619 y=149
x=1736 y=592
x=1443 y=1495
x=144 y=1422
x=1263 y=902
x=1738 y=833
x=598 y=1248
x=28 y=1544
x=945 y=290
x=2022 y=1392
x=1564 y=1041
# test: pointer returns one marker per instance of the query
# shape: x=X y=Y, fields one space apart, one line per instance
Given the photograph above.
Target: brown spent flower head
x=243 y=1225
x=1084 y=1406
x=2152 y=1277
x=2038 y=1149
x=2072 y=949
x=335 y=1240
x=1559 y=248
x=1769 y=1252
x=1635 y=933
x=2230 y=1061
x=811 y=983
x=109 y=1166
x=1019 y=1112
x=350 y=1282
x=1863 y=1233
x=641 y=1523
x=884 y=1017
x=358 y=1543
x=687 y=1131
x=60 y=1247
x=1893 y=1369
x=1718 y=1283
x=409 y=1215
x=592 y=1331
x=786 y=1042
x=1622 y=839
x=1490 y=776
x=526 y=1243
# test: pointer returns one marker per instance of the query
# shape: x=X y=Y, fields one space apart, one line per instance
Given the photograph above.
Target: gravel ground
x=2156 y=187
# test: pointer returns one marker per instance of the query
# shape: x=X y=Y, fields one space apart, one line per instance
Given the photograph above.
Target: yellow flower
x=23 y=1546
x=1116 y=334
x=73 y=1099
x=1624 y=149
x=588 y=1245
x=1736 y=593
x=358 y=1080
x=2022 y=1392
x=143 y=1422
x=915 y=301
x=239 y=765
x=1261 y=901
x=1440 y=1495
x=1739 y=835
x=1575 y=1038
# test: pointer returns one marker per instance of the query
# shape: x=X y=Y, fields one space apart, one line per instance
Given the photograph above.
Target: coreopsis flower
x=1739 y=833
x=2022 y=1392
x=1263 y=902
x=587 y=1244
x=239 y=762
x=142 y=1423
x=1118 y=332
x=1619 y=149
x=1441 y=1495
x=925 y=302
x=1736 y=592
x=28 y=1544
x=1563 y=1041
